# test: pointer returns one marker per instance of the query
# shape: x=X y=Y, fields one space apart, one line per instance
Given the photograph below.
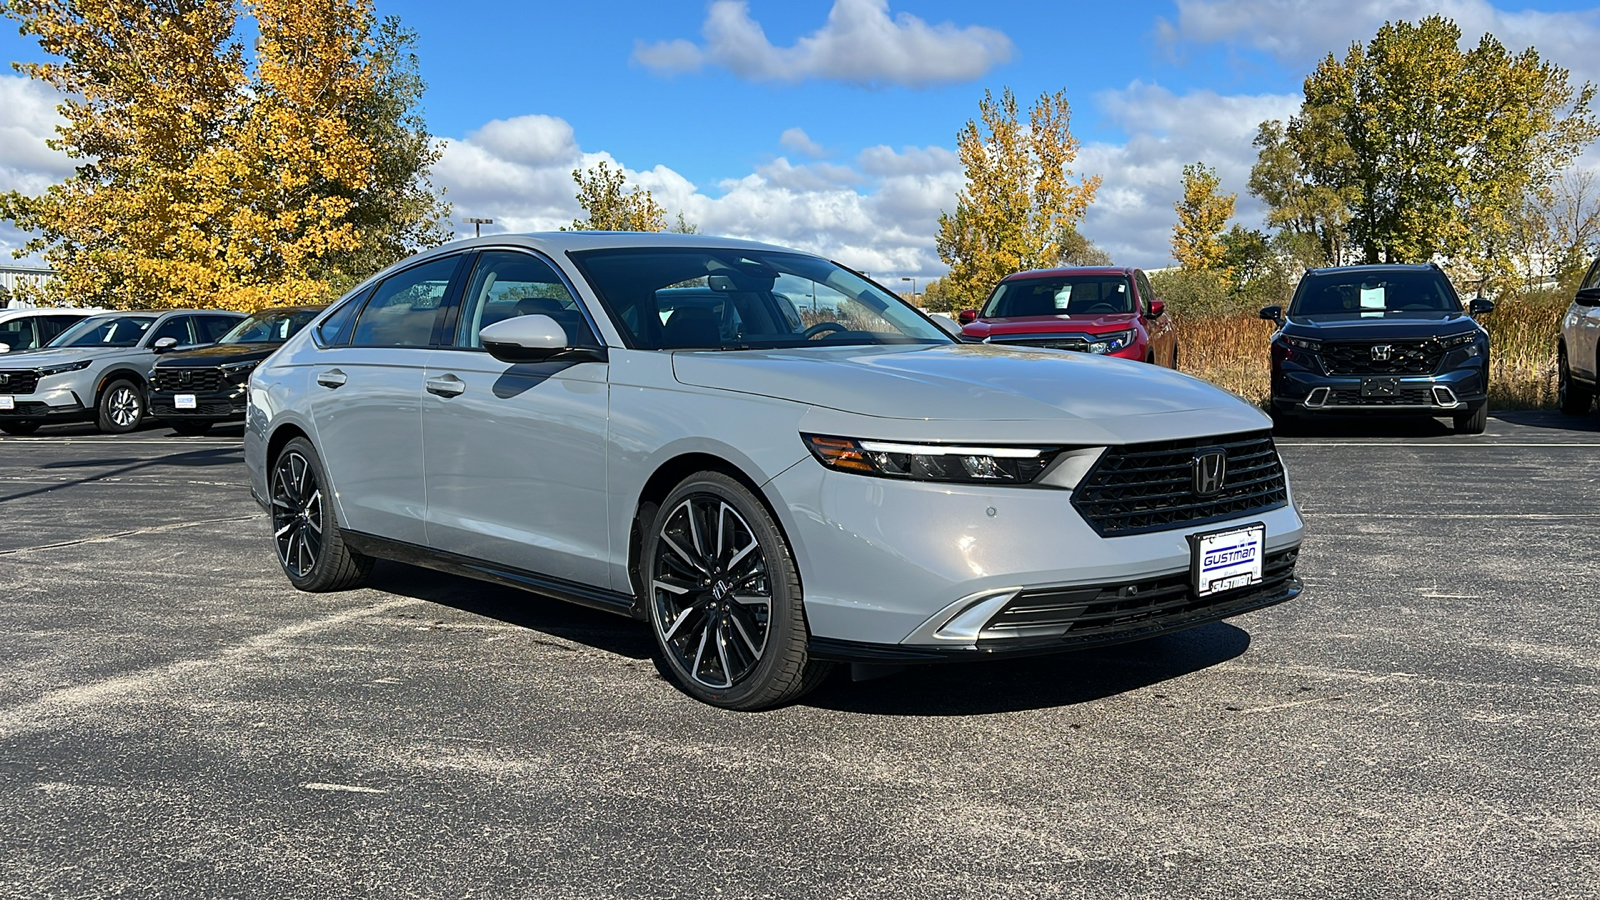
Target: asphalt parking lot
x=175 y=720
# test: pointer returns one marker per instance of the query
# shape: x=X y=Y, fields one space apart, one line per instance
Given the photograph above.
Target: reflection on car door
x=366 y=403
x=1584 y=337
x=515 y=454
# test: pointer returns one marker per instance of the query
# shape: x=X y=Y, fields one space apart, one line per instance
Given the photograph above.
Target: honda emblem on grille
x=4 y=378
x=1210 y=468
x=1382 y=352
x=183 y=377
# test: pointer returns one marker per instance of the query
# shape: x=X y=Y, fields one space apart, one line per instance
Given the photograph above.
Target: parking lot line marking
x=122 y=534
x=1444 y=444
x=1536 y=516
x=348 y=788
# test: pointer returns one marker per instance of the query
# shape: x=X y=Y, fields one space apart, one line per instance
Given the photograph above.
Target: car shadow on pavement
x=222 y=456
x=604 y=631
x=1547 y=418
x=1038 y=682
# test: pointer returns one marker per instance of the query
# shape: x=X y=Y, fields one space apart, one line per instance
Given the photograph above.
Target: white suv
x=1578 y=347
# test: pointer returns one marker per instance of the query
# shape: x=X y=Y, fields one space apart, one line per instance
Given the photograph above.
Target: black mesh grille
x=188 y=380
x=1404 y=357
x=1150 y=487
x=1403 y=397
x=1099 y=610
x=162 y=406
x=26 y=410
x=13 y=381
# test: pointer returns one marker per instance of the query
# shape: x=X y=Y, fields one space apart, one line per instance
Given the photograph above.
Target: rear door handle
x=331 y=379
x=445 y=385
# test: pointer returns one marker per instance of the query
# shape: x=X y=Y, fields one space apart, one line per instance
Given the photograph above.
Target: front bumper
x=1300 y=392
x=214 y=406
x=50 y=405
x=882 y=563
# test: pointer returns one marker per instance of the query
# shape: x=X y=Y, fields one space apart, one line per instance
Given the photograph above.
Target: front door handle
x=445 y=385
x=331 y=379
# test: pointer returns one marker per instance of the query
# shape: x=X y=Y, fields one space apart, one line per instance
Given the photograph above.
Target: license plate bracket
x=1380 y=387
x=1227 y=560
x=184 y=401
x=7 y=401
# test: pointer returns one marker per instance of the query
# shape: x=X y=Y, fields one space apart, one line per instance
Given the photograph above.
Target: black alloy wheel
x=304 y=529
x=724 y=598
x=1573 y=399
x=20 y=426
x=121 y=407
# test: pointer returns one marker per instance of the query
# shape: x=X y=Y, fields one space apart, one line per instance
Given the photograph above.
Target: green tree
x=1296 y=205
x=209 y=176
x=1434 y=148
x=1077 y=250
x=1202 y=214
x=1020 y=200
x=610 y=205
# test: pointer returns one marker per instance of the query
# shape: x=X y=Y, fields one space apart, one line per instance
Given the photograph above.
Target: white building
x=13 y=276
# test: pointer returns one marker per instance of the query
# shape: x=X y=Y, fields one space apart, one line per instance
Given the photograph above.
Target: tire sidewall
x=103 y=407
x=786 y=629
x=318 y=573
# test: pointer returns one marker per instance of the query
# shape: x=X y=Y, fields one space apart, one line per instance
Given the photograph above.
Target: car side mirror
x=1589 y=296
x=535 y=338
x=162 y=345
x=5 y=348
x=1157 y=309
x=1272 y=313
x=967 y=316
x=1480 y=306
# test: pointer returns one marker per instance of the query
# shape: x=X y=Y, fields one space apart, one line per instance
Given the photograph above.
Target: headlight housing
x=1305 y=344
x=239 y=373
x=1110 y=343
x=1457 y=340
x=961 y=464
x=66 y=367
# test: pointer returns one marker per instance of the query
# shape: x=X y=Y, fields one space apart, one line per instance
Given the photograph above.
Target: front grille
x=1065 y=342
x=1139 y=488
x=189 y=381
x=13 y=381
x=28 y=410
x=1405 y=357
x=162 y=407
x=1154 y=604
x=1403 y=397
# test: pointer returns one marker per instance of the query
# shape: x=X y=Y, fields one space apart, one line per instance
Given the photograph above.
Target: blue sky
x=830 y=124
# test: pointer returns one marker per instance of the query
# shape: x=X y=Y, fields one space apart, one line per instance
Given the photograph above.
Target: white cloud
x=860 y=44
x=28 y=118
x=797 y=140
x=1301 y=32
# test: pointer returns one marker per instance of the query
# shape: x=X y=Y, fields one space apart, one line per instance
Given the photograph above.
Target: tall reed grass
x=1231 y=351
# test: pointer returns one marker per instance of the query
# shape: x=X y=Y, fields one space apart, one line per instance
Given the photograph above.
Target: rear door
x=516 y=453
x=366 y=403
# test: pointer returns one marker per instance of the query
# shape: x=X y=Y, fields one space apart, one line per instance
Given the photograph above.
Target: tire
x=20 y=426
x=120 y=408
x=714 y=561
x=1473 y=422
x=1574 y=399
x=305 y=531
x=189 y=429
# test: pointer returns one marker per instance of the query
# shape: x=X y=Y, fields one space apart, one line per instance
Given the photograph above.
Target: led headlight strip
x=932 y=462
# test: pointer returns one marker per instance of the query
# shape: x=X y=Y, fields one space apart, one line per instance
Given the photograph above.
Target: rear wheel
x=190 y=429
x=724 y=598
x=305 y=531
x=1574 y=399
x=1473 y=422
x=20 y=426
x=120 y=408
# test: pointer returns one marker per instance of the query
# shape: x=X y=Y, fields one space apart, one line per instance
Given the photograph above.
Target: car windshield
x=706 y=298
x=272 y=326
x=1065 y=295
x=105 y=331
x=1357 y=293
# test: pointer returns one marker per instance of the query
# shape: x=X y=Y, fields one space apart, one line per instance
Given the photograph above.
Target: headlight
x=239 y=373
x=945 y=462
x=1110 y=343
x=1304 y=344
x=1458 y=339
x=66 y=367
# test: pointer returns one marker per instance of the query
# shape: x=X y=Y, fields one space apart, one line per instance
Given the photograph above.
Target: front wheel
x=121 y=407
x=305 y=530
x=1574 y=399
x=1473 y=422
x=724 y=598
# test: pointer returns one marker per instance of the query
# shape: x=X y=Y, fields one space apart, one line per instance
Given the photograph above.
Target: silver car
x=96 y=370
x=773 y=461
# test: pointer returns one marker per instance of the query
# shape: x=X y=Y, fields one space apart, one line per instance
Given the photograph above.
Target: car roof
x=1375 y=267
x=1070 y=270
x=563 y=241
x=165 y=312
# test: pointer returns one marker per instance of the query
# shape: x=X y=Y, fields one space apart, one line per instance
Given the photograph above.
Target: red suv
x=1094 y=309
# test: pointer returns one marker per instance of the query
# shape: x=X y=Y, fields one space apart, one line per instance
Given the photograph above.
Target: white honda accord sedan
x=770 y=459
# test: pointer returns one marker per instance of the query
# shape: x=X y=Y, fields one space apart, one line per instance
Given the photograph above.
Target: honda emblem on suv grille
x=1382 y=352
x=4 y=378
x=1210 y=468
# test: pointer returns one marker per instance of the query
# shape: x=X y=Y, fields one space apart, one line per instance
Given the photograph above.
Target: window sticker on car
x=1372 y=298
x=1064 y=296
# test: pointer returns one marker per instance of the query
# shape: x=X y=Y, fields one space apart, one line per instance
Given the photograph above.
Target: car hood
x=39 y=359
x=978 y=383
x=1388 y=326
x=1095 y=324
x=215 y=355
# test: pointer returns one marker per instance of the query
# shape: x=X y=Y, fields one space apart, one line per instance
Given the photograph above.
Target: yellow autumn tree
x=209 y=176
x=1021 y=204
x=609 y=204
x=1203 y=213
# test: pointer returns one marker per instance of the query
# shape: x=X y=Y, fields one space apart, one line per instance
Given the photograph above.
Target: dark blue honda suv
x=1380 y=340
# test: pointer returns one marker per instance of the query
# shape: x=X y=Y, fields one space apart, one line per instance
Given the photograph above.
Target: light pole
x=477 y=225
x=913 y=281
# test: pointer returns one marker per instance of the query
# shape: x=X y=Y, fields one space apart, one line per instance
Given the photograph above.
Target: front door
x=516 y=453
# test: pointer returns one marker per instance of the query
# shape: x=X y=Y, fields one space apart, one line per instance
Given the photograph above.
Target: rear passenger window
x=403 y=311
x=507 y=284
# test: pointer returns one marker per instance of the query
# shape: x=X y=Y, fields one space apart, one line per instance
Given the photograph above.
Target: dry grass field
x=1231 y=351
